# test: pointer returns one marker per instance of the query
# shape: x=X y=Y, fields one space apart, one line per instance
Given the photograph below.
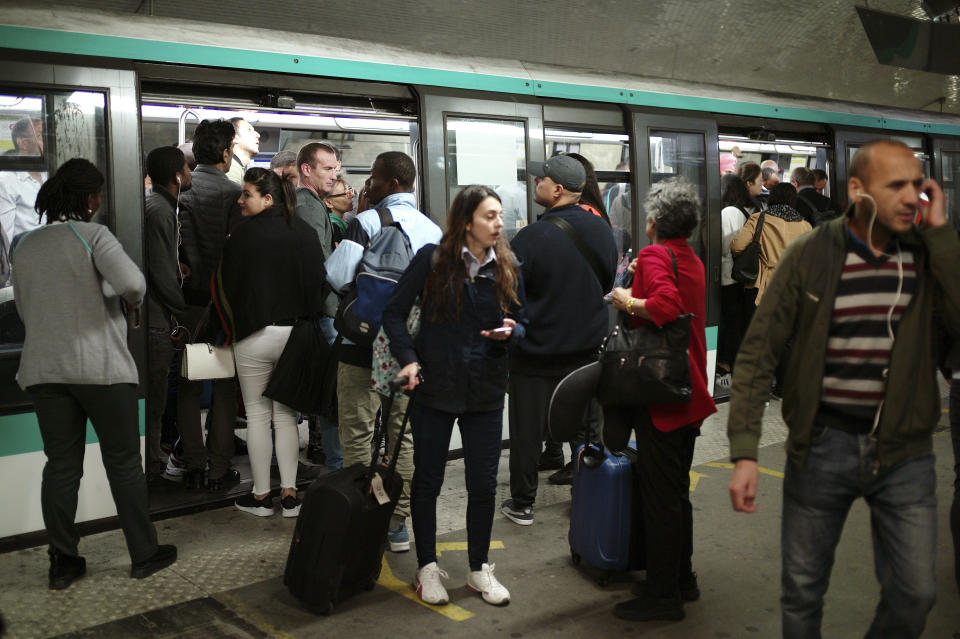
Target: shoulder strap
x=676 y=273
x=584 y=250
x=386 y=218
x=756 y=233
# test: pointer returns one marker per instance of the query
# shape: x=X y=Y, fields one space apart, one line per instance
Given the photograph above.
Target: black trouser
x=735 y=313
x=62 y=412
x=482 y=435
x=159 y=358
x=955 y=507
x=663 y=461
x=528 y=406
x=221 y=422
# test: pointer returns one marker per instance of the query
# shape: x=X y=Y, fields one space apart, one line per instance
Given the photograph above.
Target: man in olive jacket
x=861 y=295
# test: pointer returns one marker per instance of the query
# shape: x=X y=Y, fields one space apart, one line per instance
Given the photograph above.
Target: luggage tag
x=376 y=487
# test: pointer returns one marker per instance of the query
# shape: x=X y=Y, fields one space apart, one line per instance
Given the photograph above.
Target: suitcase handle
x=395 y=386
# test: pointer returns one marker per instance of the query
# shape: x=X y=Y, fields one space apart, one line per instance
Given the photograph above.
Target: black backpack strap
x=676 y=273
x=578 y=242
x=756 y=233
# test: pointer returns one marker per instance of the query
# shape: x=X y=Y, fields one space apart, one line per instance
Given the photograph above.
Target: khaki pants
x=358 y=404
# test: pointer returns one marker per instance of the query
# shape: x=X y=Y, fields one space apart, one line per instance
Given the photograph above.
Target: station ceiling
x=816 y=49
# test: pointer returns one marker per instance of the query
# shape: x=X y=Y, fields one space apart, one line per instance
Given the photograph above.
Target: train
x=111 y=87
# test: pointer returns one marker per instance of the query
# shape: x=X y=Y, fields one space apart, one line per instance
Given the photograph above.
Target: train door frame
x=437 y=105
x=940 y=145
x=845 y=136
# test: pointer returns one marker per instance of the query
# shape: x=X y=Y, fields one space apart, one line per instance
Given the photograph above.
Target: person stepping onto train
x=271 y=274
x=472 y=311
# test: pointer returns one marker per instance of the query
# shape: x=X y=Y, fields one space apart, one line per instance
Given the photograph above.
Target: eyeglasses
x=347 y=192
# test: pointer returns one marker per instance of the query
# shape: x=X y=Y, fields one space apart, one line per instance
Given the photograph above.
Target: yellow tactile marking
x=695 y=479
x=253 y=617
x=444 y=546
x=760 y=469
x=451 y=611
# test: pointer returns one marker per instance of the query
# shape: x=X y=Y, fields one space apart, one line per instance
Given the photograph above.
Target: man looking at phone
x=860 y=294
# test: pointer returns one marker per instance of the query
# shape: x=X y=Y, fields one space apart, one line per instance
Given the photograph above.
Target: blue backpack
x=384 y=260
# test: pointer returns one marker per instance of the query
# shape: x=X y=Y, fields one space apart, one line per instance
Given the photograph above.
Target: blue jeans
x=903 y=522
x=481 y=434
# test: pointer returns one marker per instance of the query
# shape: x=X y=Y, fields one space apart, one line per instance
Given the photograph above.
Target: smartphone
x=921 y=216
x=502 y=330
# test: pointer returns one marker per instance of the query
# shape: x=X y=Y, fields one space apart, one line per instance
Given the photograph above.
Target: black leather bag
x=746 y=265
x=647 y=364
x=300 y=376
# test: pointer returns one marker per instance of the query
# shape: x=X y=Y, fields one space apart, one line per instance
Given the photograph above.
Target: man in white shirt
x=18 y=189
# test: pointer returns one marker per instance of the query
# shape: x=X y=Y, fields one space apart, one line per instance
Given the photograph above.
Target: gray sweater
x=68 y=280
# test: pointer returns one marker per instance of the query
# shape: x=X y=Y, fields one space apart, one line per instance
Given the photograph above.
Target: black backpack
x=384 y=260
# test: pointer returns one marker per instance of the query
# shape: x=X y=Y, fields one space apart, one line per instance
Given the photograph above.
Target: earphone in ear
x=178 y=179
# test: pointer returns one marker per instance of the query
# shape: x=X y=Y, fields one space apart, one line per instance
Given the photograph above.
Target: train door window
x=677 y=154
x=493 y=153
x=946 y=152
x=39 y=131
x=609 y=153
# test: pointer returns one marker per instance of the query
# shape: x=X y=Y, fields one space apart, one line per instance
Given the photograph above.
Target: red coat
x=654 y=282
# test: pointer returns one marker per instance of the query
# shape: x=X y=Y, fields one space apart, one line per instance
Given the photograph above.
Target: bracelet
x=629 y=306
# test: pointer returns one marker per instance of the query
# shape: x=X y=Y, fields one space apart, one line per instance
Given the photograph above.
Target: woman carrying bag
x=472 y=302
x=271 y=275
x=668 y=282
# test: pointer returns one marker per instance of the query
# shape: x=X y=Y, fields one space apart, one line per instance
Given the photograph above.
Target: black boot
x=163 y=557
x=64 y=568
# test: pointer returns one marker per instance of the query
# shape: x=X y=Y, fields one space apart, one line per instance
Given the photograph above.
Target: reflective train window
x=951 y=183
x=609 y=154
x=39 y=131
x=678 y=154
x=358 y=138
x=493 y=153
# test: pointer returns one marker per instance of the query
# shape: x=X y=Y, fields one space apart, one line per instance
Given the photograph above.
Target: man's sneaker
x=428 y=585
x=722 y=382
x=563 y=477
x=520 y=516
x=250 y=504
x=486 y=584
x=399 y=540
x=290 y=505
x=229 y=479
x=163 y=557
x=64 y=569
x=175 y=469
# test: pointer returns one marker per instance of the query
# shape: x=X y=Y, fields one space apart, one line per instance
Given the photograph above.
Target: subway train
x=112 y=88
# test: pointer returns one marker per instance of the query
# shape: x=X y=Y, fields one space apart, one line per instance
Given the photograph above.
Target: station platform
x=228 y=580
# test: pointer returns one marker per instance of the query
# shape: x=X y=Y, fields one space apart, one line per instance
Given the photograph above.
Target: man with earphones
x=170 y=176
x=860 y=295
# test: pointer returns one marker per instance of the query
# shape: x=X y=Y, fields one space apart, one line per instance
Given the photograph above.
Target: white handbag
x=206 y=361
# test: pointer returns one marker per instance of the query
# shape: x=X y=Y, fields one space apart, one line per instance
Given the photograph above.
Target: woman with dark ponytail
x=271 y=275
x=472 y=309
x=71 y=281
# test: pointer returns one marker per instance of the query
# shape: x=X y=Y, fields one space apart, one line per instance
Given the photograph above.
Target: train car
x=110 y=88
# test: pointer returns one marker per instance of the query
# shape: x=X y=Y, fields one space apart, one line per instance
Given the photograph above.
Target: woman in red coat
x=666 y=432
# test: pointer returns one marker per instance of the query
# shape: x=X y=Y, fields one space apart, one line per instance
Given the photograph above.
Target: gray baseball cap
x=563 y=170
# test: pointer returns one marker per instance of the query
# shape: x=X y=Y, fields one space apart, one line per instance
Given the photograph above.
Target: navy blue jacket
x=462 y=371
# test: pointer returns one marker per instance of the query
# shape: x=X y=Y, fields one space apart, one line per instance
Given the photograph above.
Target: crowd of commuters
x=240 y=256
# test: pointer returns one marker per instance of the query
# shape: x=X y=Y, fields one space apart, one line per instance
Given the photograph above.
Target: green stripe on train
x=21 y=434
x=712 y=332
x=33 y=39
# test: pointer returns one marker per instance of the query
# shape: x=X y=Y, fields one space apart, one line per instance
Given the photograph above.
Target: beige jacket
x=777 y=233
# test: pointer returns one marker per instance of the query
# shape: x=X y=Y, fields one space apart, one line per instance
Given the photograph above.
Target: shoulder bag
x=647 y=364
x=206 y=361
x=746 y=264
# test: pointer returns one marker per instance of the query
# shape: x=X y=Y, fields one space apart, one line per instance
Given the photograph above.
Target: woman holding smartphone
x=472 y=301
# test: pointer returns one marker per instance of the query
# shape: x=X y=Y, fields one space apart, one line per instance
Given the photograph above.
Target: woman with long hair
x=270 y=276
x=590 y=197
x=735 y=308
x=71 y=282
x=472 y=308
x=669 y=281
x=752 y=177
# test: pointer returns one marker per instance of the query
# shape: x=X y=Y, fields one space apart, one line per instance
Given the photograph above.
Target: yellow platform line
x=444 y=546
x=760 y=469
x=451 y=611
x=252 y=616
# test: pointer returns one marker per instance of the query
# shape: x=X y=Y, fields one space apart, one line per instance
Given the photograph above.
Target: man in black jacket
x=809 y=203
x=170 y=177
x=211 y=207
x=568 y=320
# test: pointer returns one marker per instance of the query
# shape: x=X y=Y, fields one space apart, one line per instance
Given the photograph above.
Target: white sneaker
x=723 y=381
x=486 y=584
x=428 y=586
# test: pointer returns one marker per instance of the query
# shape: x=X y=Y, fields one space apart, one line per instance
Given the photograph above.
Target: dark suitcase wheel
x=575 y=558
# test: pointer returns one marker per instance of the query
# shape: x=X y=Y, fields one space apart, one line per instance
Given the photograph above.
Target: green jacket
x=799 y=304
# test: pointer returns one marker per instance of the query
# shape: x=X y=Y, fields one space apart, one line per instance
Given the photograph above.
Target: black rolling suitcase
x=341 y=533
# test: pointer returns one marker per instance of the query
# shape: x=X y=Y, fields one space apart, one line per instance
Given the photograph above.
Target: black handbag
x=300 y=376
x=746 y=264
x=647 y=364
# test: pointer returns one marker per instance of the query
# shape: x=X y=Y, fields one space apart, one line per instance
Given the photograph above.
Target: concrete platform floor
x=228 y=581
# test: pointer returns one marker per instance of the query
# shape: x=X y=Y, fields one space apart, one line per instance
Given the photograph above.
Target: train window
x=678 y=154
x=493 y=153
x=950 y=161
x=39 y=131
x=359 y=139
x=609 y=153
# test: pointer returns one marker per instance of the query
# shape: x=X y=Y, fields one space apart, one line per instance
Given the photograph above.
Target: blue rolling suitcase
x=605 y=526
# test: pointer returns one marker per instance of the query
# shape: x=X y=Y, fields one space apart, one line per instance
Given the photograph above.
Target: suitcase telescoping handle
x=395 y=387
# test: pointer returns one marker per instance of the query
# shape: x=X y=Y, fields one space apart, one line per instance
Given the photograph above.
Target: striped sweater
x=859 y=345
